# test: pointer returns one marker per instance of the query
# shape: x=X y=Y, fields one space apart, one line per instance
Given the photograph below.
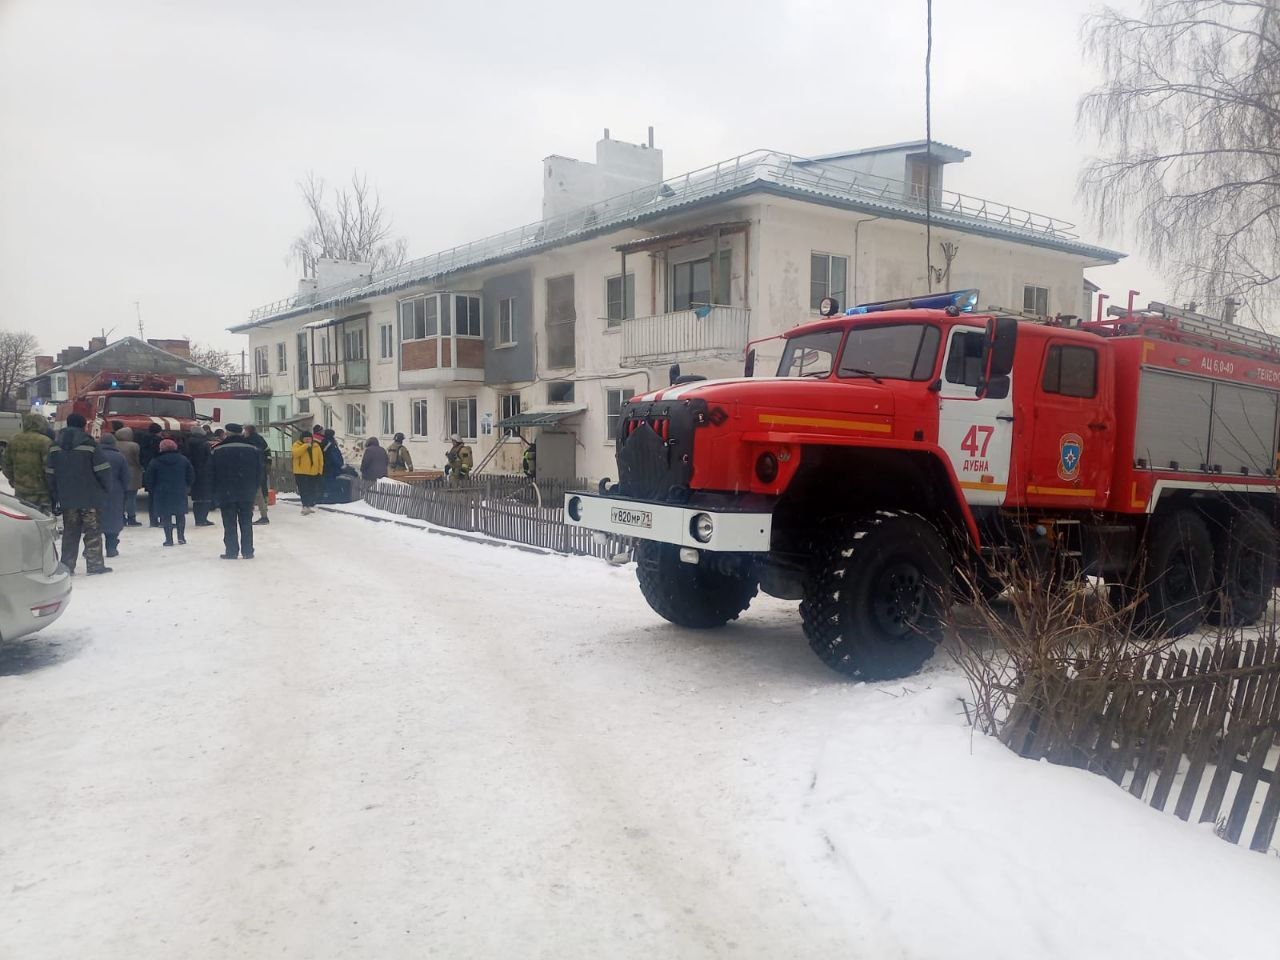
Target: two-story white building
x=562 y=320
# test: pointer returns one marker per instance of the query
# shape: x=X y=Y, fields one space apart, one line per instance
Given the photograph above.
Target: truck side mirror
x=673 y=374
x=997 y=360
x=749 y=368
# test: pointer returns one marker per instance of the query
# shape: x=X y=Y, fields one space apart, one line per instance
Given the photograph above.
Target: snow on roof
x=763 y=171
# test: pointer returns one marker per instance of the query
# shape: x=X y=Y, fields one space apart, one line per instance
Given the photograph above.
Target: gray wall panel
x=515 y=363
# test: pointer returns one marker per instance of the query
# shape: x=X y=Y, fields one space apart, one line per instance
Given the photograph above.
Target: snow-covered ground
x=372 y=741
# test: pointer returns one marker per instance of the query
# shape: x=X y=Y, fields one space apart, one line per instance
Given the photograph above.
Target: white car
x=34 y=587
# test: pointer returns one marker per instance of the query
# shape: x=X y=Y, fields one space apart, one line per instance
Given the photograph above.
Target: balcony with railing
x=701 y=333
x=340 y=375
x=340 y=348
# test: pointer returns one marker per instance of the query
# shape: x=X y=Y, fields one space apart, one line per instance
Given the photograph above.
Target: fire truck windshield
x=133 y=405
x=899 y=351
x=812 y=355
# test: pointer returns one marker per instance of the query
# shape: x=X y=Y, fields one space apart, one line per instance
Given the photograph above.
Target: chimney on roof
x=43 y=363
x=97 y=343
x=71 y=355
x=619 y=168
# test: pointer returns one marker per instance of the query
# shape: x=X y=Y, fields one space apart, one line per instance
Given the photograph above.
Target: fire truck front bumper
x=686 y=526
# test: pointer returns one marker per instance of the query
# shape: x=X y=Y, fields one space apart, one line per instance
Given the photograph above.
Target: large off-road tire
x=1244 y=551
x=689 y=594
x=875 y=599
x=1176 y=575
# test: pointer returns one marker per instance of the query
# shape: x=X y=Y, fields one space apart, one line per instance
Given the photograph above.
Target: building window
x=560 y=391
x=353 y=344
x=462 y=417
x=614 y=399
x=691 y=283
x=304 y=369
x=261 y=415
x=506 y=321
x=419 y=318
x=355 y=419
x=419 y=410
x=466 y=312
x=260 y=361
x=328 y=416
x=386 y=341
x=509 y=406
x=60 y=383
x=282 y=412
x=1071 y=371
x=827 y=275
x=304 y=405
x=388 y=418
x=1035 y=300
x=282 y=358
x=561 y=319
x=620 y=298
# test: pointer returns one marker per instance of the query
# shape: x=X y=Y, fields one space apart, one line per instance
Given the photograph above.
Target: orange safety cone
x=271 y=496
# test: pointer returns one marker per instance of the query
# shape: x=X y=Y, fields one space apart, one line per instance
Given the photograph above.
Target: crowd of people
x=94 y=484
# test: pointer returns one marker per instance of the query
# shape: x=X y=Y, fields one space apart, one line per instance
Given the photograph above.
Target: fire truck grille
x=655 y=449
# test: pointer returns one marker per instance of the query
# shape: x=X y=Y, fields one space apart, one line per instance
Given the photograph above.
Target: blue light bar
x=962 y=300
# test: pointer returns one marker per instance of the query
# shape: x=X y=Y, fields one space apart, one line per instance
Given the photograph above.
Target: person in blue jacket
x=168 y=478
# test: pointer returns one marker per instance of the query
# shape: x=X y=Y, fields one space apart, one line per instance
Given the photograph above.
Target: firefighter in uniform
x=398 y=459
x=24 y=460
x=529 y=463
x=459 y=457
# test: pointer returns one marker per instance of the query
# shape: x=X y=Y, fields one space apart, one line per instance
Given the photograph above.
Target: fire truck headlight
x=702 y=526
x=767 y=467
x=575 y=509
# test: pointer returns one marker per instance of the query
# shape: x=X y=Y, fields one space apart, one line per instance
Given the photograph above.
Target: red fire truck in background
x=902 y=440
x=137 y=400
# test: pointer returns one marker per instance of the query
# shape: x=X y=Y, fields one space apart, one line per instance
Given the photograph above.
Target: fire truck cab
x=137 y=400
x=899 y=442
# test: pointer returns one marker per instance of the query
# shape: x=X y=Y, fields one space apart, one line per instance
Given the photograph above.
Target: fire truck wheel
x=1245 y=558
x=1177 y=579
x=689 y=594
x=876 y=597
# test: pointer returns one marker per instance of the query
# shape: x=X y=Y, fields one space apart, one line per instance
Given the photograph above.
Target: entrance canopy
x=540 y=418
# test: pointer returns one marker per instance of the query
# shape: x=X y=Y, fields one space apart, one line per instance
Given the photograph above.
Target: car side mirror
x=996 y=388
x=999 y=346
x=673 y=374
x=749 y=368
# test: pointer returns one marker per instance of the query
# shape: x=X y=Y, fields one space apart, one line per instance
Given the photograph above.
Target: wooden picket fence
x=504 y=507
x=1204 y=723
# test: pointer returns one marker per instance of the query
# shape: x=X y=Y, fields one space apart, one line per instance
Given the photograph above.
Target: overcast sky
x=150 y=149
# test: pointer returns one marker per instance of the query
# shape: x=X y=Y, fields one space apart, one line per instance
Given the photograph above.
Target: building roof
x=763 y=171
x=944 y=151
x=134 y=356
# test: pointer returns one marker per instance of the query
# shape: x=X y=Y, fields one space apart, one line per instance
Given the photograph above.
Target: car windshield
x=900 y=351
x=811 y=355
x=127 y=405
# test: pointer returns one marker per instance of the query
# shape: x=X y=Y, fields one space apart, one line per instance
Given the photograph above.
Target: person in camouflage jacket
x=24 y=461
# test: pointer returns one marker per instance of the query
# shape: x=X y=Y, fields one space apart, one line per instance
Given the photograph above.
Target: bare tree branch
x=346 y=223
x=1188 y=116
x=17 y=355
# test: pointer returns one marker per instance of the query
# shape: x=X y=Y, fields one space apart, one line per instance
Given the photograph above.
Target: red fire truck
x=903 y=440
x=136 y=399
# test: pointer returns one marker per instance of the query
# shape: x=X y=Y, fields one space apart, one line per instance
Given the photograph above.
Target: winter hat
x=166 y=445
x=109 y=440
x=317 y=430
x=234 y=428
x=76 y=420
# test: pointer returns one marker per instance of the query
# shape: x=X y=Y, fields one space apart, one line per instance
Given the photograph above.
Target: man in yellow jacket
x=308 y=471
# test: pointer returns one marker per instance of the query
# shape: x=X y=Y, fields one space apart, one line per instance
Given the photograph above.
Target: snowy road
x=376 y=742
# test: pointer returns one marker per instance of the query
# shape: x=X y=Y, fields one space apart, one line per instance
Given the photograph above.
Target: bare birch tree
x=346 y=223
x=220 y=361
x=17 y=361
x=1188 y=116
